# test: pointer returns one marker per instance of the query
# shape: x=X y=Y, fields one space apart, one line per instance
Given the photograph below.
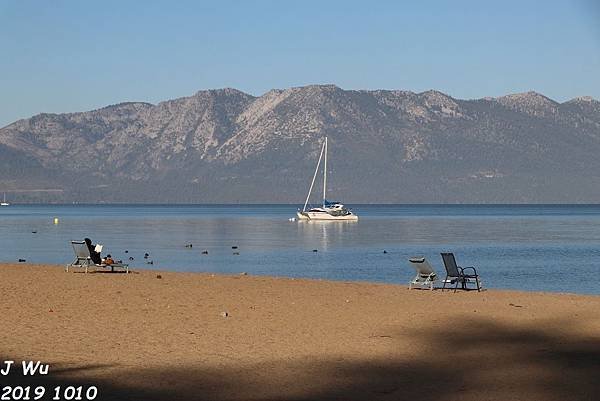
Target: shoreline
x=143 y=270
x=139 y=337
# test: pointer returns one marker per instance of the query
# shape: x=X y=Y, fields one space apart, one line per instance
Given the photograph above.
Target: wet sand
x=138 y=337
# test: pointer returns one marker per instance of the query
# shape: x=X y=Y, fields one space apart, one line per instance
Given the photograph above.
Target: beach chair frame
x=425 y=277
x=456 y=275
x=82 y=256
x=83 y=259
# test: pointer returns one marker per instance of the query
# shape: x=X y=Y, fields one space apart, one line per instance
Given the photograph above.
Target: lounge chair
x=83 y=258
x=456 y=275
x=425 y=275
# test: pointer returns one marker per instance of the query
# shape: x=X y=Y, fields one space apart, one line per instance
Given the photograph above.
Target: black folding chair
x=456 y=274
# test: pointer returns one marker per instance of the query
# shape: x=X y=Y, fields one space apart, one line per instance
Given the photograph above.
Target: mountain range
x=385 y=146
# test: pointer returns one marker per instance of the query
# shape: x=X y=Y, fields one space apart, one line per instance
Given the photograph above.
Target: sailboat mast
x=325 y=175
x=314 y=178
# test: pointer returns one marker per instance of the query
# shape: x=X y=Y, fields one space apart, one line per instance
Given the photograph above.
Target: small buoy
x=205 y=252
x=56 y=220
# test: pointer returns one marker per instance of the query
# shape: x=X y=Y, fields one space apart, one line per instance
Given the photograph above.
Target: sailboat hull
x=324 y=216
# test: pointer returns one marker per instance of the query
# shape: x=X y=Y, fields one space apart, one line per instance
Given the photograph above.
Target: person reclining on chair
x=95 y=256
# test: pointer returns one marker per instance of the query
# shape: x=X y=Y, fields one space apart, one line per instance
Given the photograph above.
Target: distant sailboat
x=330 y=211
x=4 y=202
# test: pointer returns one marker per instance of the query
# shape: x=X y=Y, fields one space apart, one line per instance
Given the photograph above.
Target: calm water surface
x=526 y=247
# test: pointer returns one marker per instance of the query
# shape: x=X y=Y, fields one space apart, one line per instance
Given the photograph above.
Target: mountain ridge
x=577 y=99
x=224 y=145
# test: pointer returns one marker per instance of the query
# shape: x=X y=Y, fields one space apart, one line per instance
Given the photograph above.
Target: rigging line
x=314 y=177
x=325 y=175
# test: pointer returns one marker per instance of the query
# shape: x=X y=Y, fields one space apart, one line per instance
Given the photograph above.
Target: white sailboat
x=330 y=211
x=4 y=202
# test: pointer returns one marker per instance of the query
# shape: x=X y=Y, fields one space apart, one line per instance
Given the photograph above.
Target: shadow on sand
x=476 y=359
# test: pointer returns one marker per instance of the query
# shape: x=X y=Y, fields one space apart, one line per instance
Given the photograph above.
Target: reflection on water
x=325 y=232
x=523 y=247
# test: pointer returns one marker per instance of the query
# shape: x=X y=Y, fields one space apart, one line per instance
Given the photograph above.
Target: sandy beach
x=139 y=337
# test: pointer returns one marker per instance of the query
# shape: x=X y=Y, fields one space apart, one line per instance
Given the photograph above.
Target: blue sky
x=64 y=56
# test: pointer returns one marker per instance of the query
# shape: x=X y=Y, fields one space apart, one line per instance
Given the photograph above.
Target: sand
x=138 y=337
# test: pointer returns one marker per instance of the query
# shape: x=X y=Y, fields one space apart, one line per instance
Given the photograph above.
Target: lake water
x=524 y=247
